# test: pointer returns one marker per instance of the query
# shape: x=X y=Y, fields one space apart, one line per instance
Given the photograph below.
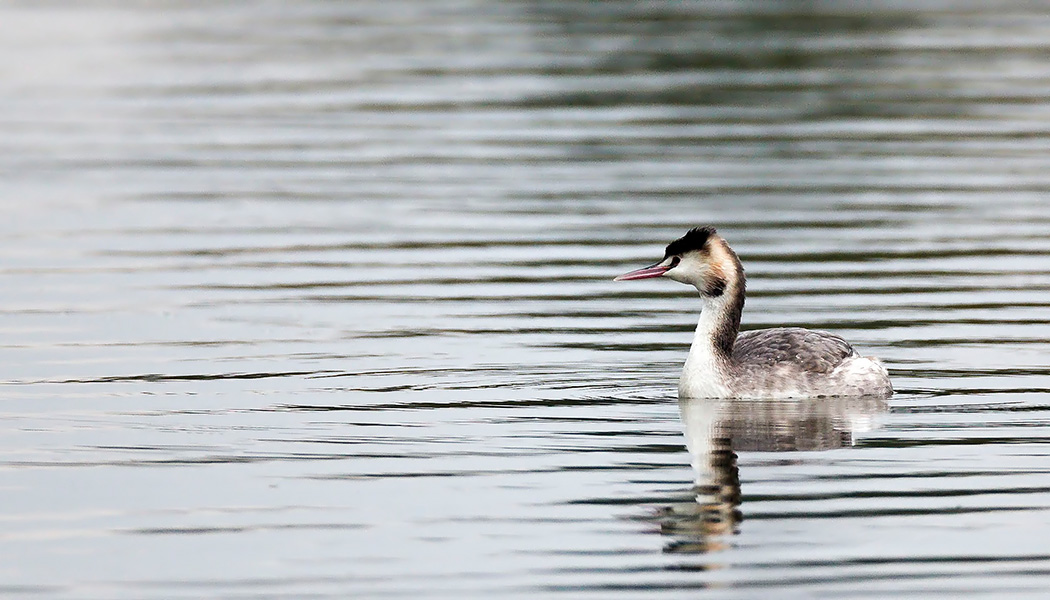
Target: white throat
x=706 y=370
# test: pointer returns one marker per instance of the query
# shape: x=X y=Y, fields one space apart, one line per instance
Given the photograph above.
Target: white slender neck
x=708 y=369
x=715 y=331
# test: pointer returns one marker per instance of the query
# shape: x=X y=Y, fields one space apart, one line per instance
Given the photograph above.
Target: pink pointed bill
x=646 y=273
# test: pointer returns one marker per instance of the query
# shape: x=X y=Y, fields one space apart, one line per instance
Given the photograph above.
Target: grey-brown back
x=810 y=351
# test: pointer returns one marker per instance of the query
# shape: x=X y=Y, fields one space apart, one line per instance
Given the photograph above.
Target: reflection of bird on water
x=716 y=429
x=785 y=362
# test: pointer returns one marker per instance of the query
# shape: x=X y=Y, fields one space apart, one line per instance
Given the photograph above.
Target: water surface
x=316 y=299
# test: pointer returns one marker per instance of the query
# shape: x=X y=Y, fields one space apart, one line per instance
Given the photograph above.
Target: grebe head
x=700 y=258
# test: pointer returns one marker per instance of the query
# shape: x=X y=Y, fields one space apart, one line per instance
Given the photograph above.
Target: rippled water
x=315 y=299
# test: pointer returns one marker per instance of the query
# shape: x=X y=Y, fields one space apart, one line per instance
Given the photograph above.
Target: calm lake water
x=315 y=299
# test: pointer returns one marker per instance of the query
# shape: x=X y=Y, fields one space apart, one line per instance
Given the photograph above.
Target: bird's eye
x=675 y=260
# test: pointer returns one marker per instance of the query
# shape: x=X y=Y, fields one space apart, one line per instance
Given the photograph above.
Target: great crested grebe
x=786 y=362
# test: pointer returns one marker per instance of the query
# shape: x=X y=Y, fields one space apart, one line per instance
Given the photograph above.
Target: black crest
x=694 y=239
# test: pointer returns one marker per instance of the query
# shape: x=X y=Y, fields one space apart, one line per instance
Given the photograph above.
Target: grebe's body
x=786 y=362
